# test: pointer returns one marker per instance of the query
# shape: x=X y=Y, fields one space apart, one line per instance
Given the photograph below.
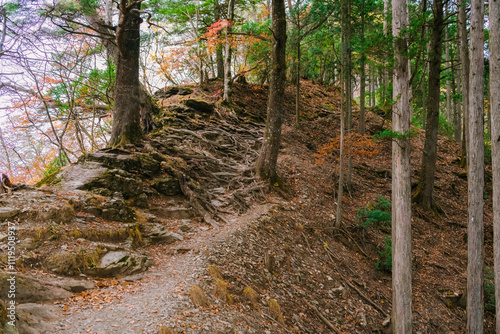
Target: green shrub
x=385 y=262
x=377 y=212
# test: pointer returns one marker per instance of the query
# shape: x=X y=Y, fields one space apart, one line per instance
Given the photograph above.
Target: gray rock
x=199 y=105
x=167 y=185
x=34 y=318
x=76 y=286
x=165 y=237
x=30 y=290
x=121 y=263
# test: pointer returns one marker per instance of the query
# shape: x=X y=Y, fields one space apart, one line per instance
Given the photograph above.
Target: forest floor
x=277 y=264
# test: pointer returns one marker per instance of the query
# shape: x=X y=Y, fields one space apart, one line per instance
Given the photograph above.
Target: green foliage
x=445 y=128
x=389 y=134
x=376 y=213
x=385 y=262
x=89 y=7
x=489 y=290
x=55 y=165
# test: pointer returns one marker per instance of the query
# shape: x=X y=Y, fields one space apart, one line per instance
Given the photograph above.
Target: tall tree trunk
x=227 y=56
x=219 y=51
x=457 y=119
x=448 y=83
x=425 y=188
x=266 y=163
x=344 y=98
x=126 y=117
x=494 y=18
x=148 y=106
x=349 y=93
x=372 y=86
x=475 y=176
x=401 y=179
x=385 y=71
x=464 y=57
x=362 y=102
x=297 y=93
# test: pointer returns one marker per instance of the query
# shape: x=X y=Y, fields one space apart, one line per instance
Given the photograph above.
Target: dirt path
x=159 y=298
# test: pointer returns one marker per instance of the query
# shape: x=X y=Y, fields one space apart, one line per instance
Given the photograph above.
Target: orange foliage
x=355 y=145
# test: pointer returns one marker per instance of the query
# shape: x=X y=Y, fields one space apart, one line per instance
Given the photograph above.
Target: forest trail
x=159 y=297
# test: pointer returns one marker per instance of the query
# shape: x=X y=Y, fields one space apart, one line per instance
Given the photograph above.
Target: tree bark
x=464 y=57
x=448 y=83
x=362 y=76
x=219 y=54
x=148 y=106
x=494 y=18
x=126 y=117
x=266 y=163
x=425 y=188
x=401 y=179
x=227 y=56
x=385 y=71
x=475 y=176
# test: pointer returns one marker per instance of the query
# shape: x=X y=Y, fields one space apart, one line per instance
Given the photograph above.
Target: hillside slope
x=216 y=251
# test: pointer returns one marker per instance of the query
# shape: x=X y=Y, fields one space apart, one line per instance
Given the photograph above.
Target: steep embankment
x=225 y=253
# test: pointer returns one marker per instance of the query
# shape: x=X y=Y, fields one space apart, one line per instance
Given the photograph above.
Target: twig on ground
x=322 y=317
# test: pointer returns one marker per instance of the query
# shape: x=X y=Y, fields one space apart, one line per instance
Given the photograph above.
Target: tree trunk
x=385 y=71
x=266 y=163
x=425 y=188
x=219 y=51
x=494 y=18
x=464 y=57
x=349 y=92
x=227 y=56
x=297 y=93
x=362 y=95
x=126 y=118
x=475 y=176
x=401 y=179
x=148 y=106
x=344 y=91
x=448 y=83
x=457 y=117
x=220 y=62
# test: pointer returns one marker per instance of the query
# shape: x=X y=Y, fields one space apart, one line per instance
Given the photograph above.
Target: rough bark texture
x=425 y=188
x=148 y=106
x=266 y=164
x=401 y=182
x=475 y=177
x=464 y=57
x=349 y=90
x=362 y=76
x=494 y=17
x=126 y=118
x=448 y=83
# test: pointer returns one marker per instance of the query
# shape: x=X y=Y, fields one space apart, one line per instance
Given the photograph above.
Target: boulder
x=30 y=290
x=116 y=263
x=8 y=212
x=167 y=185
x=158 y=235
x=199 y=106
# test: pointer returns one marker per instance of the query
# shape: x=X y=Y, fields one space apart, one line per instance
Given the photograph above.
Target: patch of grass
x=197 y=296
x=276 y=311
